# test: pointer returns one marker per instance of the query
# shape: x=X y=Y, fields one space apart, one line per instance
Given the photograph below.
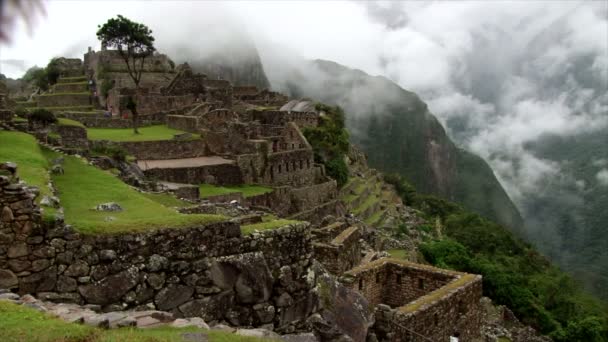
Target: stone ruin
x=417 y=302
x=210 y=271
x=248 y=136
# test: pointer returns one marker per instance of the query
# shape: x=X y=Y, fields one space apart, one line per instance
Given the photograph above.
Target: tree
x=134 y=42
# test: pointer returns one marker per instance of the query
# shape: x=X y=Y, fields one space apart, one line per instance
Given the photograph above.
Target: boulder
x=172 y=296
x=110 y=289
x=247 y=274
x=110 y=206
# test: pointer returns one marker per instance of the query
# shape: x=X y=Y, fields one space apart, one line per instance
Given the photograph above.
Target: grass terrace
x=75 y=79
x=150 y=133
x=80 y=93
x=248 y=190
x=21 y=324
x=22 y=148
x=269 y=222
x=82 y=187
x=64 y=109
x=69 y=122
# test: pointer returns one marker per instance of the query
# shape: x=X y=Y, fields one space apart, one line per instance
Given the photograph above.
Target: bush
x=52 y=71
x=21 y=112
x=329 y=141
x=337 y=169
x=42 y=116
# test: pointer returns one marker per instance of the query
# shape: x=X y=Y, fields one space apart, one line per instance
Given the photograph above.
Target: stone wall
x=157 y=150
x=342 y=253
x=73 y=136
x=295 y=168
x=221 y=174
x=100 y=121
x=211 y=271
x=418 y=302
x=310 y=196
x=149 y=103
x=6 y=115
x=69 y=67
x=184 y=123
x=64 y=100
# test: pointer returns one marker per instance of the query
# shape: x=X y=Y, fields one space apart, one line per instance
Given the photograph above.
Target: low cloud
x=602 y=177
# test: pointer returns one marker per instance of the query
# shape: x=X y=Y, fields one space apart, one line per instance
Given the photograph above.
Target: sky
x=498 y=74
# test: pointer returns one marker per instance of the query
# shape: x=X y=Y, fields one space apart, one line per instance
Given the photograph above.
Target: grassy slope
x=248 y=190
x=23 y=149
x=83 y=187
x=20 y=324
x=268 y=222
x=151 y=133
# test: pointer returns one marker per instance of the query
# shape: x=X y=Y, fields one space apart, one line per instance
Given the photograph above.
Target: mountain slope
x=399 y=134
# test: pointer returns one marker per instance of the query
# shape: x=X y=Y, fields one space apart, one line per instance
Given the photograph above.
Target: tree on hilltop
x=134 y=42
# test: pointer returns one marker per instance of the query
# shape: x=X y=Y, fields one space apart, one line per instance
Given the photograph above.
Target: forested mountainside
x=399 y=134
x=577 y=239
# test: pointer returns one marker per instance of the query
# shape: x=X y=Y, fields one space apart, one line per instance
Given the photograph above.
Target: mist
x=498 y=75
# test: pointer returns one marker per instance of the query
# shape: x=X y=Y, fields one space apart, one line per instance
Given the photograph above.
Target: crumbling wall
x=210 y=271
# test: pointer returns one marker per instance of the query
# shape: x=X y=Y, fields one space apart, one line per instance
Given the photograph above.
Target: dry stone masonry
x=419 y=303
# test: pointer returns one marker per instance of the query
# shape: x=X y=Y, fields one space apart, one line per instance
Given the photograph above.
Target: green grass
x=62 y=109
x=22 y=148
x=398 y=253
x=83 y=187
x=69 y=122
x=268 y=222
x=372 y=220
x=248 y=190
x=150 y=133
x=80 y=93
x=167 y=200
x=22 y=324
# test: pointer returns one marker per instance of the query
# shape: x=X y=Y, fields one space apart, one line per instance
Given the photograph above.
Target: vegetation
x=248 y=190
x=330 y=142
x=42 y=116
x=69 y=122
x=167 y=200
x=150 y=133
x=43 y=78
x=514 y=274
x=20 y=323
x=134 y=42
x=268 y=222
x=22 y=149
x=82 y=187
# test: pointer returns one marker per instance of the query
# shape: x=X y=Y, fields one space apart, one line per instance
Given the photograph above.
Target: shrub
x=21 y=112
x=43 y=116
x=337 y=169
